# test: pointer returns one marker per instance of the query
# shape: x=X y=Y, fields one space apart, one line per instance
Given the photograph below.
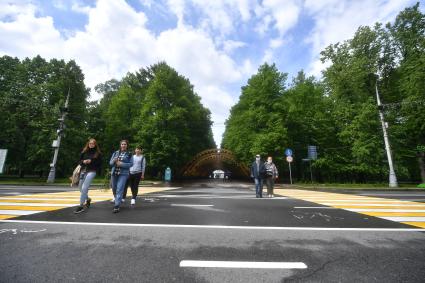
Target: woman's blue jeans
x=118 y=185
x=85 y=181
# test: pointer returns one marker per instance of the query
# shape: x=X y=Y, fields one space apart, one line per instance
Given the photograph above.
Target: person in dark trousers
x=271 y=175
x=90 y=161
x=137 y=173
x=258 y=173
x=121 y=161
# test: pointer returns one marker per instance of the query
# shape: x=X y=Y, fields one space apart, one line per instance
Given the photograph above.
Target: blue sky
x=217 y=44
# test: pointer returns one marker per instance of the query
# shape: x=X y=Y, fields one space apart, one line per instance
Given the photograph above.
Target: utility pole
x=393 y=178
x=57 y=142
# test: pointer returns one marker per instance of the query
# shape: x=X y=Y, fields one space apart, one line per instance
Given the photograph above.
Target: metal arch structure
x=212 y=159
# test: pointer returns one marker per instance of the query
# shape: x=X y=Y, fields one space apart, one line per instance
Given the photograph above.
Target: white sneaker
x=123 y=200
x=113 y=200
x=133 y=201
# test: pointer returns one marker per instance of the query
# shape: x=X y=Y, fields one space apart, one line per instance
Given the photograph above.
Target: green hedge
x=421 y=186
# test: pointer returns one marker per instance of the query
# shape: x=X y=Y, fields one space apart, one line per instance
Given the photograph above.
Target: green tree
x=255 y=125
x=33 y=91
x=408 y=37
x=173 y=125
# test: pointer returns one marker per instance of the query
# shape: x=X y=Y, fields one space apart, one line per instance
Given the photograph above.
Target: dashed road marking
x=243 y=264
x=190 y=205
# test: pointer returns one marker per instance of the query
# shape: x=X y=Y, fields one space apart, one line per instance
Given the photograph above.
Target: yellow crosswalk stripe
x=379 y=207
x=372 y=206
x=417 y=224
x=23 y=207
x=22 y=203
x=38 y=201
x=394 y=213
x=7 y=216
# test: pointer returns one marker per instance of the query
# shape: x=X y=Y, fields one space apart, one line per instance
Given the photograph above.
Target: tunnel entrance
x=210 y=160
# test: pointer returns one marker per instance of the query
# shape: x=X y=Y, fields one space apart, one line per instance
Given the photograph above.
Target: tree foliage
x=339 y=114
x=158 y=109
x=31 y=94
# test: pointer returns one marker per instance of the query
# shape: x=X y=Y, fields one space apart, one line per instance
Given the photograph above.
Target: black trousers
x=133 y=181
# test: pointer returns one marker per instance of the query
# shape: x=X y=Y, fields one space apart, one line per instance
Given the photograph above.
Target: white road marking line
x=315 y=207
x=219 y=226
x=190 y=205
x=243 y=264
x=35 y=204
x=20 y=212
x=382 y=210
x=212 y=197
x=405 y=219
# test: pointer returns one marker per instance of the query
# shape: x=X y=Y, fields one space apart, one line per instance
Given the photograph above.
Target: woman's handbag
x=75 y=178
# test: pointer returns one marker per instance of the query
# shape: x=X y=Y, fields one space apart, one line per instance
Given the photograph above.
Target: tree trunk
x=421 y=160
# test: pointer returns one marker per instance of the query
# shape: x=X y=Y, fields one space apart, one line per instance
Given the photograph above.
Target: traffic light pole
x=57 y=142
x=392 y=178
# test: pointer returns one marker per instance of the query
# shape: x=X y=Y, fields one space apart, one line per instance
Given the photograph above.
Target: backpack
x=269 y=170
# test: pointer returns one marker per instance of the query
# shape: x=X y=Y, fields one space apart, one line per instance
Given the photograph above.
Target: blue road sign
x=312 y=152
x=288 y=152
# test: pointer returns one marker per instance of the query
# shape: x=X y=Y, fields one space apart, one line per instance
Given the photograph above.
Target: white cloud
x=276 y=43
x=59 y=4
x=282 y=15
x=177 y=7
x=336 y=21
x=230 y=45
x=25 y=35
x=80 y=8
x=115 y=40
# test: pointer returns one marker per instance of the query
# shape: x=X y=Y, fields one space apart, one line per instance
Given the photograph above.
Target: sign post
x=3 y=154
x=289 y=159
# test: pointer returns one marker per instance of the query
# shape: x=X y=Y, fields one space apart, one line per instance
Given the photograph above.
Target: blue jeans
x=85 y=180
x=258 y=187
x=118 y=185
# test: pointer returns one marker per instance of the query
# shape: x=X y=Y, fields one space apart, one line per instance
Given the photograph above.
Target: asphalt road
x=208 y=222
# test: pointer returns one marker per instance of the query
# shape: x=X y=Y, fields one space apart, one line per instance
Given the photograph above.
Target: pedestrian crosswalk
x=12 y=206
x=403 y=211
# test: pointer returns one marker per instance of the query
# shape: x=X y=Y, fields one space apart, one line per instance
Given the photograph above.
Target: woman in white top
x=137 y=173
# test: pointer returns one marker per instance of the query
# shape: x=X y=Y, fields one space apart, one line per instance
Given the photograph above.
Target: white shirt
x=139 y=164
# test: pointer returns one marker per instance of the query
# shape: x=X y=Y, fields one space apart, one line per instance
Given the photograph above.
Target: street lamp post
x=392 y=178
x=56 y=143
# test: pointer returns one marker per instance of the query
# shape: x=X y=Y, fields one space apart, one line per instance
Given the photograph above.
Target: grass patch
x=421 y=186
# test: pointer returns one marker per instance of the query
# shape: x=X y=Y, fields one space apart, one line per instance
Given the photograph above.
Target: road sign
x=289 y=159
x=312 y=152
x=288 y=152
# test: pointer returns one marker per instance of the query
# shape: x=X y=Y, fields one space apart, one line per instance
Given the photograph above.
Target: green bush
x=421 y=186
